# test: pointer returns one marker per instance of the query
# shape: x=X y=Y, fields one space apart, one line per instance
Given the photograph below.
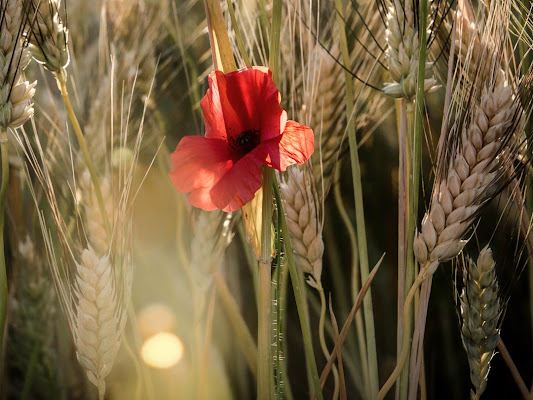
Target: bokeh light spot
x=162 y=350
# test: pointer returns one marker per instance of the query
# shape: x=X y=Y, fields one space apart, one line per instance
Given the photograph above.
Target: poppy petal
x=241 y=101
x=198 y=163
x=238 y=185
x=294 y=146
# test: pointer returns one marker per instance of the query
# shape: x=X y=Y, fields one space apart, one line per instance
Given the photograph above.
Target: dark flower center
x=245 y=141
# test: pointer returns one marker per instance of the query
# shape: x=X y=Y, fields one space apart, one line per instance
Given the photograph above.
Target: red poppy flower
x=245 y=127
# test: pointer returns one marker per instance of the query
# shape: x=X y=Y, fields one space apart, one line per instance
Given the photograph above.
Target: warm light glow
x=155 y=318
x=162 y=350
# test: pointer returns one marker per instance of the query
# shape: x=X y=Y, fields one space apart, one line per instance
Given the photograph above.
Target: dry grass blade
x=336 y=338
x=349 y=321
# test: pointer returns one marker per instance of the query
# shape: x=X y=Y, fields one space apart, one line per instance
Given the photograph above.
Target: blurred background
x=159 y=52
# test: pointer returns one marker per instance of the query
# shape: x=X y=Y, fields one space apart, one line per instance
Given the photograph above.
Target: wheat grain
x=481 y=310
x=302 y=211
x=97 y=322
x=403 y=51
x=457 y=197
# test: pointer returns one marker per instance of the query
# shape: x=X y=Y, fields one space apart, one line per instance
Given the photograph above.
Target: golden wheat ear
x=478 y=153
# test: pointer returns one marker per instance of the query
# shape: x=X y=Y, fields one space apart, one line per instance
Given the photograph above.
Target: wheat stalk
x=97 y=318
x=481 y=310
x=16 y=92
x=457 y=196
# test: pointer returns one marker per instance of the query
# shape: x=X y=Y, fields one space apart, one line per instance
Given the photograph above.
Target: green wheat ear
x=481 y=309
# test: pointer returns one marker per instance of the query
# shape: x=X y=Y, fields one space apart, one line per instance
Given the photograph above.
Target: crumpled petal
x=198 y=163
x=240 y=101
x=294 y=146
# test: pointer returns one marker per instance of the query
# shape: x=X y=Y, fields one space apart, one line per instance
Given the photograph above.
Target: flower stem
x=84 y=151
x=264 y=311
x=299 y=297
x=3 y=273
x=359 y=210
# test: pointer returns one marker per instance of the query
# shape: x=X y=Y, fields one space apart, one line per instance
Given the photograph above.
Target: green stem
x=273 y=59
x=264 y=312
x=415 y=156
x=356 y=284
x=264 y=19
x=298 y=296
x=3 y=272
x=411 y=224
x=278 y=327
x=403 y=216
x=84 y=151
x=283 y=329
x=359 y=209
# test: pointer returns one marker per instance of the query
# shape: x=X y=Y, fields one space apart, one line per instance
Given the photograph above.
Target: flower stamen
x=245 y=141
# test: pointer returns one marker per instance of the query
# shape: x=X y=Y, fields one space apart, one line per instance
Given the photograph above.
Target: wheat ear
x=97 y=322
x=457 y=197
x=403 y=51
x=302 y=211
x=49 y=36
x=16 y=92
x=481 y=310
